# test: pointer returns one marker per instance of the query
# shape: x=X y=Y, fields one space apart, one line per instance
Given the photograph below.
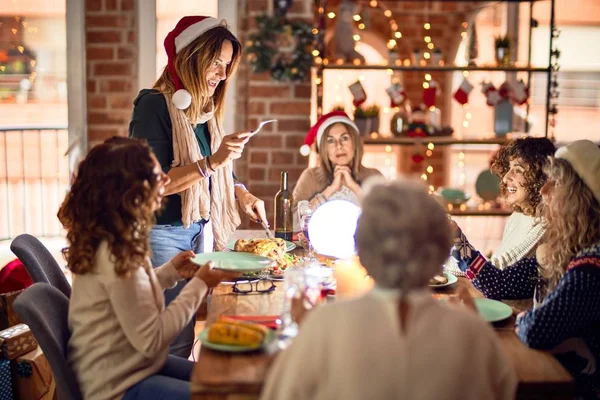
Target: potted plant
x=367 y=119
x=502 y=46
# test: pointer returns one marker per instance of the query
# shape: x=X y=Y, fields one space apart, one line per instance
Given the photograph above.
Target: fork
x=262 y=124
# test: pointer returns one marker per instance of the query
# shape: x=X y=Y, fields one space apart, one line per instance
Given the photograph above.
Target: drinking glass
x=304 y=214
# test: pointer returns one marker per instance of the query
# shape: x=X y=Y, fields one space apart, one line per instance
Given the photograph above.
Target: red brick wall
x=111 y=46
x=276 y=148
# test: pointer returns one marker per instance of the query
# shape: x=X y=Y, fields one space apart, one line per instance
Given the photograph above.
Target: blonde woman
x=181 y=118
x=387 y=344
x=564 y=278
x=340 y=171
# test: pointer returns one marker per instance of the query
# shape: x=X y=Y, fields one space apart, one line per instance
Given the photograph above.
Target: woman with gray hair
x=388 y=344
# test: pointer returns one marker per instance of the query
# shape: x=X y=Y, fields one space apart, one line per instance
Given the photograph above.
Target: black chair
x=45 y=310
x=40 y=264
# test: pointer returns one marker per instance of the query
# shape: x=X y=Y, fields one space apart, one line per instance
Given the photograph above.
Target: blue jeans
x=166 y=241
x=172 y=382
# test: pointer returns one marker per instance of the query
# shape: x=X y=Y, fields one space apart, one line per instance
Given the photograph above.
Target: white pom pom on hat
x=185 y=32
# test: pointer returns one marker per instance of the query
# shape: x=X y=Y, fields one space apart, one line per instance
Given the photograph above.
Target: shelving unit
x=549 y=70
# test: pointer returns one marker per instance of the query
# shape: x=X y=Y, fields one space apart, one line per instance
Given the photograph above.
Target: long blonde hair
x=572 y=218
x=192 y=63
x=357 y=153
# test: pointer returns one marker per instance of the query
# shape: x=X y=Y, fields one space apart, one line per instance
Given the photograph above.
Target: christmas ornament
x=429 y=94
x=492 y=95
x=397 y=94
x=358 y=93
x=462 y=93
x=520 y=92
x=417 y=157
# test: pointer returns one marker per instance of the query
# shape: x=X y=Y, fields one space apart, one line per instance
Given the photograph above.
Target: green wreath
x=263 y=48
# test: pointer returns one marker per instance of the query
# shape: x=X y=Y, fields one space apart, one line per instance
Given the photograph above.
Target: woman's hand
x=184 y=265
x=338 y=180
x=348 y=180
x=231 y=148
x=212 y=277
x=299 y=308
x=252 y=206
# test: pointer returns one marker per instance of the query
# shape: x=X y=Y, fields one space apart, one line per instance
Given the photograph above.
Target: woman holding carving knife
x=181 y=118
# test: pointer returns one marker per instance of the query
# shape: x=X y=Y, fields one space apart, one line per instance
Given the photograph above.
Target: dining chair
x=40 y=263
x=45 y=310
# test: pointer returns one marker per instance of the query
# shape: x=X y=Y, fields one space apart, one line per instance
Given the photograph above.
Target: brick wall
x=275 y=148
x=111 y=46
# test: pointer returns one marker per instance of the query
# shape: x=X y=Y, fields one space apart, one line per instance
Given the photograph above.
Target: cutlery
x=267 y=230
x=262 y=124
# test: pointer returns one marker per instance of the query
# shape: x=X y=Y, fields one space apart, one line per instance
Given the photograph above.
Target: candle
x=351 y=278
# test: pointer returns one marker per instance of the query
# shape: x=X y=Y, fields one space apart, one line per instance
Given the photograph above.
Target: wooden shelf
x=494 y=212
x=448 y=68
x=436 y=140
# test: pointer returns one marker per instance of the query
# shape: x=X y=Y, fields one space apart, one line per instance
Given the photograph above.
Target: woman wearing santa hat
x=181 y=118
x=340 y=171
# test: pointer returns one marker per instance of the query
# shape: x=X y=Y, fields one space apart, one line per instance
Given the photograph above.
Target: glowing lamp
x=331 y=228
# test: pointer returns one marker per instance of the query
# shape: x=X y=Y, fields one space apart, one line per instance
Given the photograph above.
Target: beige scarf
x=198 y=202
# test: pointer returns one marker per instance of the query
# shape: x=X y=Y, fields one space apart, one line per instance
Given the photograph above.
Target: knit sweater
x=120 y=328
x=356 y=349
x=566 y=322
x=520 y=240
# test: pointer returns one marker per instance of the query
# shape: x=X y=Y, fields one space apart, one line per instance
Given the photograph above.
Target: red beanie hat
x=186 y=31
x=326 y=120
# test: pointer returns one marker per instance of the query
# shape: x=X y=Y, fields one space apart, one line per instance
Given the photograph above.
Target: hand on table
x=212 y=277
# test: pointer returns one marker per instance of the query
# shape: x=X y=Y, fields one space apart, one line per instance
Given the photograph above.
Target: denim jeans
x=172 y=382
x=166 y=241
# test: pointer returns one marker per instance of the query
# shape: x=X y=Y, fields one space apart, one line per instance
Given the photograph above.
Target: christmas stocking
x=505 y=91
x=462 y=93
x=492 y=95
x=397 y=94
x=358 y=93
x=429 y=94
x=520 y=93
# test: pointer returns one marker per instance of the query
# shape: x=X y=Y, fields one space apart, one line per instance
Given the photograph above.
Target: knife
x=267 y=230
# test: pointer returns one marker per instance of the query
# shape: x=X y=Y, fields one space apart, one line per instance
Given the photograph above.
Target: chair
x=40 y=264
x=45 y=310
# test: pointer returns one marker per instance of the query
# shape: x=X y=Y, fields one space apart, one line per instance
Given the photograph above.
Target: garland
x=264 y=48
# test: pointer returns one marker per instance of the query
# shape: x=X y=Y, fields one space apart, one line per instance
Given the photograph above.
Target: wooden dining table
x=219 y=375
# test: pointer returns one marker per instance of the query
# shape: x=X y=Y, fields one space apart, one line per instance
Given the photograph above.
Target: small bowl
x=456 y=197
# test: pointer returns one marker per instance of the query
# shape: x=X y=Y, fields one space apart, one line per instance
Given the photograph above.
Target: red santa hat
x=316 y=132
x=186 y=31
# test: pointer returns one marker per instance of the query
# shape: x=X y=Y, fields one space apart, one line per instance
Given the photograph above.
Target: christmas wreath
x=264 y=48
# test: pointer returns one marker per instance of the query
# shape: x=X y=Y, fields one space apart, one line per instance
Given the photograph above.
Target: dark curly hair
x=112 y=198
x=534 y=152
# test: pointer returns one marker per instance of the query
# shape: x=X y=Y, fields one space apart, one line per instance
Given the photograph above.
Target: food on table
x=270 y=248
x=438 y=280
x=236 y=333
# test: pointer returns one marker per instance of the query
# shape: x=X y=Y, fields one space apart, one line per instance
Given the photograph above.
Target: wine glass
x=304 y=214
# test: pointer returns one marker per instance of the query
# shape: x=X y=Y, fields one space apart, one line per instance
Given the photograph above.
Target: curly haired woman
x=520 y=167
x=120 y=328
x=564 y=278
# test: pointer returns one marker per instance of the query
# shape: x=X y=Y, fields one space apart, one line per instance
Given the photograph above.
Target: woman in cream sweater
x=519 y=165
x=120 y=327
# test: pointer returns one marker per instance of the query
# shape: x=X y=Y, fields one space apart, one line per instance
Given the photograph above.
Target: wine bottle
x=283 y=210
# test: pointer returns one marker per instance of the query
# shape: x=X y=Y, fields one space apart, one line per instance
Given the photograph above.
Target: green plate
x=493 y=310
x=289 y=246
x=230 y=348
x=451 y=281
x=487 y=186
x=234 y=261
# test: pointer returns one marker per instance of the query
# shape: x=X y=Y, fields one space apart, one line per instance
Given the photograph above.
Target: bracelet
x=208 y=164
x=200 y=171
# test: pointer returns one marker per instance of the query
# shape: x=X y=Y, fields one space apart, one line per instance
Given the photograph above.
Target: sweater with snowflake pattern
x=566 y=322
